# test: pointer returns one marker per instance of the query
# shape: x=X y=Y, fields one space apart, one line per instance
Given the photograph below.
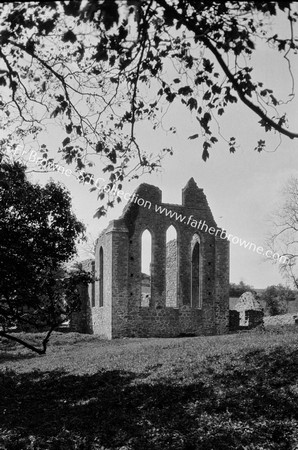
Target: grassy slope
x=222 y=392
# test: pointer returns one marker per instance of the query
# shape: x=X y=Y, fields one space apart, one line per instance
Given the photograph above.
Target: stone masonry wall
x=102 y=315
x=171 y=274
x=122 y=313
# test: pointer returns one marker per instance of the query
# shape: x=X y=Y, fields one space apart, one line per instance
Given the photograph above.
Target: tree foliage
x=236 y=290
x=38 y=234
x=276 y=299
x=101 y=68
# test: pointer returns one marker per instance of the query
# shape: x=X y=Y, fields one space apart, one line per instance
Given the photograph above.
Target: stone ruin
x=247 y=313
x=187 y=290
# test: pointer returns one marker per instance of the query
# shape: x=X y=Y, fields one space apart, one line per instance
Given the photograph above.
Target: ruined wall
x=172 y=274
x=222 y=284
x=195 y=301
x=102 y=310
x=249 y=310
x=129 y=318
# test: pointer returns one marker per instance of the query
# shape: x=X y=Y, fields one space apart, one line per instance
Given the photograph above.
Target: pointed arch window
x=171 y=267
x=146 y=260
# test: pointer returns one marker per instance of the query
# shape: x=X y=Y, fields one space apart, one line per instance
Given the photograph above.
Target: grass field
x=221 y=392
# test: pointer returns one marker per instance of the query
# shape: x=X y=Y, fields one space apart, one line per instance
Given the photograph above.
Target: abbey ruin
x=187 y=289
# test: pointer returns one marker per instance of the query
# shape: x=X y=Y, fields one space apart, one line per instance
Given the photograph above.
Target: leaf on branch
x=282 y=120
x=194 y=136
x=108 y=168
x=78 y=130
x=101 y=211
x=169 y=17
x=30 y=47
x=99 y=147
x=207 y=95
x=185 y=90
x=232 y=143
x=273 y=100
x=250 y=44
x=260 y=145
x=123 y=63
x=216 y=89
x=229 y=97
x=112 y=60
x=208 y=66
x=170 y=97
x=69 y=154
x=265 y=124
x=205 y=154
x=71 y=8
x=168 y=150
x=207 y=117
x=59 y=98
x=47 y=26
x=56 y=112
x=68 y=128
x=80 y=164
x=101 y=53
x=66 y=141
x=110 y=13
x=192 y=103
x=69 y=36
x=113 y=156
x=204 y=121
x=101 y=195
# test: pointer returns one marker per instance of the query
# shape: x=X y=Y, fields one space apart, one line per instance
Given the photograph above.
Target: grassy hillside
x=221 y=392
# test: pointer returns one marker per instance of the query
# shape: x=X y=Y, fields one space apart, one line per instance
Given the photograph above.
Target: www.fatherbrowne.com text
x=135 y=198
x=201 y=225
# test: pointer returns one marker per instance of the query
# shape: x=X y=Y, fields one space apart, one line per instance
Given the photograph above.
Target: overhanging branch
x=192 y=26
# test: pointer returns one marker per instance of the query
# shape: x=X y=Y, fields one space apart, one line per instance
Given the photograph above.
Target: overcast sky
x=242 y=188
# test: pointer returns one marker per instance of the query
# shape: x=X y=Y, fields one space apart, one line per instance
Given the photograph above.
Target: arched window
x=101 y=276
x=171 y=267
x=146 y=257
x=196 y=278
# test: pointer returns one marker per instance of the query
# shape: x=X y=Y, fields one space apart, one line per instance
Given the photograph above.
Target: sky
x=242 y=189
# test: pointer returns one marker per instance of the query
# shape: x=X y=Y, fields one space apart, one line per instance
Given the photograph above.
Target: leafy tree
x=100 y=68
x=277 y=298
x=38 y=233
x=236 y=290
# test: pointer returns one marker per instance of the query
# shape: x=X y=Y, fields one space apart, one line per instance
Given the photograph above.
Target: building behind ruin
x=247 y=313
x=188 y=288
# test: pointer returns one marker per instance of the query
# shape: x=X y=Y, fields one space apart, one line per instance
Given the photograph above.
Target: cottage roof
x=247 y=302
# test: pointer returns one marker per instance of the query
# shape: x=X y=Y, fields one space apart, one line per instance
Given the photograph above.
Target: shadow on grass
x=12 y=356
x=249 y=402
